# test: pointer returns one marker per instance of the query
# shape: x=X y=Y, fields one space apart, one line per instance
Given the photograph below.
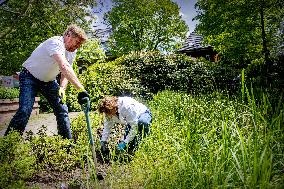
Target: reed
x=207 y=141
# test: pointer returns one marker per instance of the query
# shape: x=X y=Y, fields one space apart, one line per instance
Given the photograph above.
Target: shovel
x=86 y=108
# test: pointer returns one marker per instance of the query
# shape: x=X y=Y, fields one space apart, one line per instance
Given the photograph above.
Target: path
x=48 y=120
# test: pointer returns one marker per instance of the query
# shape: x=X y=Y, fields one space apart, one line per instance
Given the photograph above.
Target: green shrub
x=53 y=153
x=143 y=74
x=157 y=72
x=9 y=93
x=90 y=52
x=17 y=162
x=227 y=76
x=102 y=79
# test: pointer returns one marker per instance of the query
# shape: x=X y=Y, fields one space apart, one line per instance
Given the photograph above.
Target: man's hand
x=121 y=146
x=61 y=93
x=82 y=97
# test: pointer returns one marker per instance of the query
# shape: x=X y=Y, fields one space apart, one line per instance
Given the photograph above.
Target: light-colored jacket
x=129 y=111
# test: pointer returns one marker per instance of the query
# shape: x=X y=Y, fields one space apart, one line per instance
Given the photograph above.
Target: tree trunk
x=263 y=35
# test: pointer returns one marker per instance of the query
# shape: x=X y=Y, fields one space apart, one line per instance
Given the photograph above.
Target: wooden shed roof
x=194 y=43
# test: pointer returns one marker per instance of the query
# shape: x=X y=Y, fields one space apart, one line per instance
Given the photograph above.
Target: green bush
x=102 y=79
x=226 y=75
x=51 y=154
x=17 y=162
x=157 y=72
x=9 y=93
x=143 y=74
x=90 y=52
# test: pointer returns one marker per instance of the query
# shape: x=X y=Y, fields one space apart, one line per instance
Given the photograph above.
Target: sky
x=187 y=12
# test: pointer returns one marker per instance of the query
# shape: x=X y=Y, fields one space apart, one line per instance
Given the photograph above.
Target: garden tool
x=86 y=108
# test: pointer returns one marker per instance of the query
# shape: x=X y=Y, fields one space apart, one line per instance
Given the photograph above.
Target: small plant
x=17 y=162
x=53 y=153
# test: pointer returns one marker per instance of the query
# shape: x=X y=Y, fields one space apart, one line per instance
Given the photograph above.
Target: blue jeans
x=144 y=122
x=29 y=86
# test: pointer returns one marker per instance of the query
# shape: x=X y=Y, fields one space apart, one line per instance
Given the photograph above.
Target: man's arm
x=63 y=82
x=67 y=71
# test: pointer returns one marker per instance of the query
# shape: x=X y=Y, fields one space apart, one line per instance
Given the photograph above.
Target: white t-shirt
x=129 y=111
x=42 y=65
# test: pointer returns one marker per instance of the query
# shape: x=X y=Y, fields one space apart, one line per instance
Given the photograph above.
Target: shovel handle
x=86 y=109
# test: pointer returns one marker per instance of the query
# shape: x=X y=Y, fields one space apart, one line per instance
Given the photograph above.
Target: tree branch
x=3 y=35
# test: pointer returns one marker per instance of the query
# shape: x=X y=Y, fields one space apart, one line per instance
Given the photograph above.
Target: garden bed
x=8 y=108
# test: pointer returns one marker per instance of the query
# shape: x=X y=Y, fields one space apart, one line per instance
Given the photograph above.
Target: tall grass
x=207 y=141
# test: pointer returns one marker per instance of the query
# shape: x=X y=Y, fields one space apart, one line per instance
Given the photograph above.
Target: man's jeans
x=29 y=86
x=144 y=122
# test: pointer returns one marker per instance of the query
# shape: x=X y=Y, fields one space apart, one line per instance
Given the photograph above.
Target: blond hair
x=108 y=104
x=76 y=32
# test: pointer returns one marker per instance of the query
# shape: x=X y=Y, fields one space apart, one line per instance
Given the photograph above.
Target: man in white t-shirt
x=127 y=111
x=52 y=57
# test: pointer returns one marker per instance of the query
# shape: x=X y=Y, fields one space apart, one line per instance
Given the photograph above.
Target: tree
x=241 y=31
x=145 y=25
x=26 y=23
x=91 y=52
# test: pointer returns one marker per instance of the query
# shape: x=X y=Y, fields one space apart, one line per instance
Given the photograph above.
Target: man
x=127 y=111
x=51 y=58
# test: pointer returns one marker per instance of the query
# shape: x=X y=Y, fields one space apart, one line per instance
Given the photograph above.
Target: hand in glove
x=121 y=146
x=61 y=93
x=82 y=97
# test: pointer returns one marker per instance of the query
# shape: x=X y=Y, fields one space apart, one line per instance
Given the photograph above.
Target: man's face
x=72 y=43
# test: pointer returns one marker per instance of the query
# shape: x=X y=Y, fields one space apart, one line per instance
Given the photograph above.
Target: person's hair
x=76 y=32
x=108 y=104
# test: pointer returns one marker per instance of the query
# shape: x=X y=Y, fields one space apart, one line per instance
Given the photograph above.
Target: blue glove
x=121 y=146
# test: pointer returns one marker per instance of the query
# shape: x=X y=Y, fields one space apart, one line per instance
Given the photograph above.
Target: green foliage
x=17 y=162
x=145 y=25
x=90 y=52
x=237 y=31
x=141 y=74
x=102 y=79
x=109 y=79
x=9 y=93
x=25 y=24
x=206 y=141
x=51 y=153
x=41 y=154
x=157 y=72
x=226 y=76
x=79 y=128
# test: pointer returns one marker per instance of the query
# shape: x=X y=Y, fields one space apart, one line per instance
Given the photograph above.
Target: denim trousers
x=29 y=87
x=144 y=122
